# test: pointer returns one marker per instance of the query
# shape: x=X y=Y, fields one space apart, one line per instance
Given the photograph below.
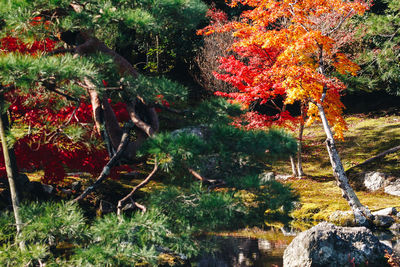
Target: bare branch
x=213 y=183
x=113 y=129
x=142 y=184
x=340 y=23
x=145 y=127
x=60 y=51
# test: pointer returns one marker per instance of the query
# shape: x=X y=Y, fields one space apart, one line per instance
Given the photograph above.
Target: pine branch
x=106 y=169
x=52 y=88
x=172 y=110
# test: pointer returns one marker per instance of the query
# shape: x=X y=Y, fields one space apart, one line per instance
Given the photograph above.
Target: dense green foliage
x=141 y=30
x=380 y=58
x=57 y=233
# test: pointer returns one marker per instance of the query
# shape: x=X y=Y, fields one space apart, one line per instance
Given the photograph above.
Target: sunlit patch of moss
x=365 y=138
x=319 y=199
x=248 y=198
x=35 y=176
x=169 y=260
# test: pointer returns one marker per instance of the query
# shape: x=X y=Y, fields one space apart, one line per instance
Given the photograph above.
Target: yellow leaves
x=334 y=115
x=344 y=65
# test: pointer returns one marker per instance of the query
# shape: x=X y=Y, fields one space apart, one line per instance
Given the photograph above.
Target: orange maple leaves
x=303 y=32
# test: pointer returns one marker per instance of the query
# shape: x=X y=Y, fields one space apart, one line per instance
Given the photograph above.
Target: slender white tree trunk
x=11 y=179
x=300 y=171
x=294 y=169
x=362 y=214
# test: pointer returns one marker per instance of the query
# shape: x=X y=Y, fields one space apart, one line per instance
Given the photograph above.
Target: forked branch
x=142 y=184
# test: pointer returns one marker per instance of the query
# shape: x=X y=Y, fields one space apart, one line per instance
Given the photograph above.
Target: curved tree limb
x=143 y=183
x=92 y=45
x=145 y=127
x=106 y=169
x=213 y=183
x=379 y=156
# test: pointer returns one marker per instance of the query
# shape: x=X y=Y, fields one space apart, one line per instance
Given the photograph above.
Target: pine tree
x=84 y=67
x=379 y=51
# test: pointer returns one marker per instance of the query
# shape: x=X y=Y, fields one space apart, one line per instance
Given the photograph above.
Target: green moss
x=320 y=199
x=365 y=138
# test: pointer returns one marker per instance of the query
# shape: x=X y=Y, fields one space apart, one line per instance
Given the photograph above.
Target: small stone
x=76 y=186
x=283 y=177
x=395 y=227
x=374 y=180
x=383 y=221
x=393 y=188
x=49 y=189
x=264 y=245
x=266 y=177
x=66 y=191
x=386 y=212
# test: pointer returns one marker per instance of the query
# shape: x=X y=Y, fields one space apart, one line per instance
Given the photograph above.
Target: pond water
x=260 y=252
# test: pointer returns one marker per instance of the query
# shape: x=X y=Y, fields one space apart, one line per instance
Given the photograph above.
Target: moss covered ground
x=368 y=135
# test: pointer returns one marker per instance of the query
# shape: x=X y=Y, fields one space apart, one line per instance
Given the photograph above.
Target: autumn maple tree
x=291 y=49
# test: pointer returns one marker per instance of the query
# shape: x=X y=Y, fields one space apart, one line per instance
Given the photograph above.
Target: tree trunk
x=300 y=171
x=294 y=169
x=362 y=214
x=11 y=179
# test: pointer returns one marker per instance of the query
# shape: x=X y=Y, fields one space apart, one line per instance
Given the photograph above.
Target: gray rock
x=266 y=177
x=264 y=246
x=395 y=227
x=383 y=221
x=76 y=186
x=282 y=176
x=106 y=207
x=396 y=248
x=49 y=189
x=329 y=245
x=374 y=180
x=200 y=131
x=386 y=212
x=393 y=188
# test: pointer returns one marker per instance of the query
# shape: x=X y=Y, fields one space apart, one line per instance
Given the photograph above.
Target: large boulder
x=329 y=245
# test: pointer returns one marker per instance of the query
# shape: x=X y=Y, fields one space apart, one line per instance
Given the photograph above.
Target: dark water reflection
x=241 y=251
